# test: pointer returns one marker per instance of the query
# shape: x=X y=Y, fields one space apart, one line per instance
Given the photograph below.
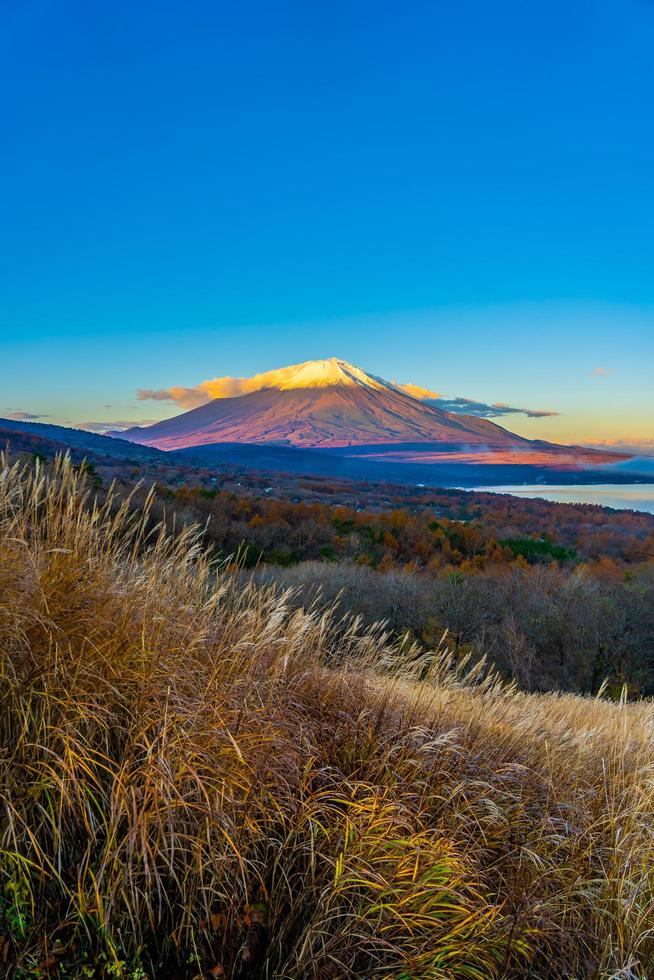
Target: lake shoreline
x=617 y=496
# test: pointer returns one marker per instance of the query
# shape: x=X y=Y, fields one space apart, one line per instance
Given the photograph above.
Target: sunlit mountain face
x=331 y=404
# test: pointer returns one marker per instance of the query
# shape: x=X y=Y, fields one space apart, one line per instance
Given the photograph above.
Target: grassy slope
x=196 y=780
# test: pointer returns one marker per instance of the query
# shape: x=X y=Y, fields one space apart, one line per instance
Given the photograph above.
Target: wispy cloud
x=186 y=397
x=469 y=406
x=19 y=416
x=636 y=447
x=116 y=426
x=601 y=372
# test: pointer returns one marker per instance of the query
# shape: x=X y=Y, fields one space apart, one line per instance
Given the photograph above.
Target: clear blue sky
x=458 y=194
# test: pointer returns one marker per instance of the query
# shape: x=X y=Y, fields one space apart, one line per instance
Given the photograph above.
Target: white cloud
x=468 y=406
x=636 y=446
x=19 y=416
x=117 y=426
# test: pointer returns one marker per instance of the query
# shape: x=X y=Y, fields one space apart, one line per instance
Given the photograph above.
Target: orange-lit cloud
x=184 y=397
x=422 y=394
x=225 y=387
x=601 y=372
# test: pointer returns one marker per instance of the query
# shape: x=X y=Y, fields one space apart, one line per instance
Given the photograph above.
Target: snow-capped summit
x=318 y=374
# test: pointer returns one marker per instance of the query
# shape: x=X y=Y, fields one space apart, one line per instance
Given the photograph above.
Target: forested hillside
x=557 y=596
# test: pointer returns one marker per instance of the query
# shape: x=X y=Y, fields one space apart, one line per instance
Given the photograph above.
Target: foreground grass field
x=197 y=780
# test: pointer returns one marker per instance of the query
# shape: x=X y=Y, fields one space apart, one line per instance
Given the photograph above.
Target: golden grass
x=197 y=780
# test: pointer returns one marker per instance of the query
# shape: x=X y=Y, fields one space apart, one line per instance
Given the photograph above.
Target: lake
x=622 y=496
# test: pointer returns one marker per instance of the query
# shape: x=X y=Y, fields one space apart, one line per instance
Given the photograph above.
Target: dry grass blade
x=198 y=779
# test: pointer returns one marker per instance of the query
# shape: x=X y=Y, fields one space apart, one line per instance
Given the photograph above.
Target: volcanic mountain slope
x=324 y=404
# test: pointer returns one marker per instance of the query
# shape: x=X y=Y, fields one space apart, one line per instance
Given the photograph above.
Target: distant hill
x=63 y=437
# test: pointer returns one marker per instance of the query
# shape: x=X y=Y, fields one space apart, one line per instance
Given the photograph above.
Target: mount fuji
x=321 y=405
x=332 y=405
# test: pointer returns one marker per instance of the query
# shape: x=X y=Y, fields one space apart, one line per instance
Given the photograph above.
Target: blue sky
x=457 y=194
